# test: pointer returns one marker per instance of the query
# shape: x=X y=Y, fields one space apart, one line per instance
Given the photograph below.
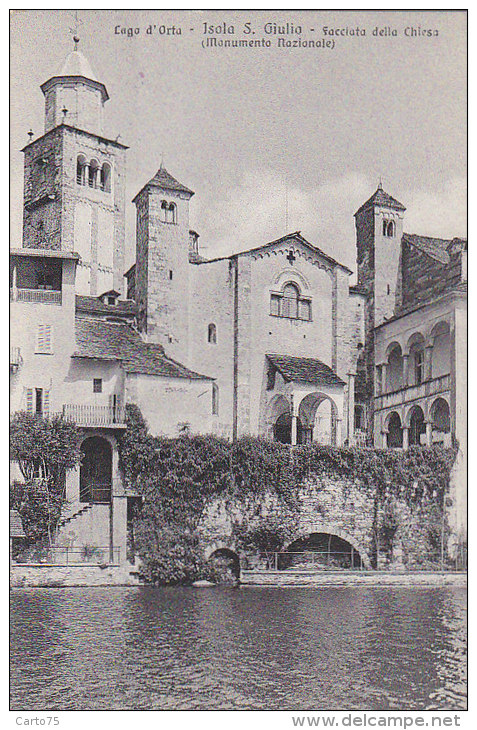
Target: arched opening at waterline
x=320 y=551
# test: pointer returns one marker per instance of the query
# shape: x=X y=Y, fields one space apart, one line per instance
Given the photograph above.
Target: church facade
x=274 y=341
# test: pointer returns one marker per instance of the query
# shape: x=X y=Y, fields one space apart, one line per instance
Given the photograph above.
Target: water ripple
x=249 y=648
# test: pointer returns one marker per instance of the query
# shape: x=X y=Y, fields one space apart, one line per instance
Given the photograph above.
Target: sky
x=271 y=140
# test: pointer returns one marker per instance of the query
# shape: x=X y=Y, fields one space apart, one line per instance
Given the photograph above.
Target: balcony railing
x=414 y=392
x=95 y=416
x=15 y=357
x=36 y=296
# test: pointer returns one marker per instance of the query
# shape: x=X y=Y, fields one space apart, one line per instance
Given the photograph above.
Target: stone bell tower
x=162 y=262
x=379 y=229
x=74 y=179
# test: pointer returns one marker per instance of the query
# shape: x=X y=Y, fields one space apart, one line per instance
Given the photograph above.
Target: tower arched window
x=164 y=211
x=93 y=171
x=81 y=170
x=389 y=229
x=172 y=213
x=212 y=334
x=105 y=178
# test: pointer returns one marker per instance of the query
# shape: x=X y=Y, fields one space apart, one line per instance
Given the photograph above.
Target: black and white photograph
x=238 y=366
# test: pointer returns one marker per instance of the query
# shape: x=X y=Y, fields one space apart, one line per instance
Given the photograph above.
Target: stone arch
x=393 y=430
x=278 y=406
x=293 y=276
x=417 y=338
x=321 y=428
x=415 y=349
x=229 y=557
x=81 y=165
x=96 y=469
x=439 y=416
x=394 y=370
x=416 y=423
x=324 y=528
x=93 y=173
x=441 y=349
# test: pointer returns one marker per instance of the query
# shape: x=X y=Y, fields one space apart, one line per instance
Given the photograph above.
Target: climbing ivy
x=183 y=475
x=179 y=478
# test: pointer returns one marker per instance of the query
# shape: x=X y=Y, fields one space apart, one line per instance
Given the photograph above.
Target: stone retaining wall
x=54 y=576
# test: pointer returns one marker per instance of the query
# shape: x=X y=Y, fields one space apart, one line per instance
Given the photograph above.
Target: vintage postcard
x=238 y=435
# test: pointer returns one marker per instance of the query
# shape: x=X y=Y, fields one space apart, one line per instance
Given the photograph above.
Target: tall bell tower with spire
x=74 y=178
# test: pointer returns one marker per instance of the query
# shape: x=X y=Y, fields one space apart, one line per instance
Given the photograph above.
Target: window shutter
x=29 y=400
x=44 y=339
x=46 y=403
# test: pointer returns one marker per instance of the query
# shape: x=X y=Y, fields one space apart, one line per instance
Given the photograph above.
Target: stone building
x=273 y=341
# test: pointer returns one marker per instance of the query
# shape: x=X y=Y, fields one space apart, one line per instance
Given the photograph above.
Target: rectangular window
x=97 y=385
x=304 y=309
x=44 y=339
x=275 y=305
x=38 y=401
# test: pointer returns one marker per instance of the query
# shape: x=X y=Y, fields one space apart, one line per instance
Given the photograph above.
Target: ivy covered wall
x=388 y=504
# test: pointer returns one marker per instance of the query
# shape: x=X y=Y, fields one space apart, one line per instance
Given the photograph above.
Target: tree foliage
x=45 y=450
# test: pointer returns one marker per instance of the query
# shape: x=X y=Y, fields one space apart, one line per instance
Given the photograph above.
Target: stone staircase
x=72 y=512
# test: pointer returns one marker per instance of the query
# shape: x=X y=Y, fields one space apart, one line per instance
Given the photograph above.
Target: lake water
x=238 y=648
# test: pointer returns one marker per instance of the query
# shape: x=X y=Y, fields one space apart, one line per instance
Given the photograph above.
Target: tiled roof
x=102 y=340
x=382 y=199
x=357 y=289
x=304 y=369
x=163 y=179
x=93 y=305
x=431 y=267
x=48 y=252
x=16 y=526
x=435 y=247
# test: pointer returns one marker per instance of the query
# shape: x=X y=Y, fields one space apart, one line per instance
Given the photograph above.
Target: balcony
x=15 y=358
x=36 y=296
x=95 y=416
x=413 y=392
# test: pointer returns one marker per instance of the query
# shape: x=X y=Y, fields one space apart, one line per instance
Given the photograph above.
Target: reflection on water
x=248 y=648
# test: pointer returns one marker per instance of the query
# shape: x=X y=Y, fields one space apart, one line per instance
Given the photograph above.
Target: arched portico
x=318 y=416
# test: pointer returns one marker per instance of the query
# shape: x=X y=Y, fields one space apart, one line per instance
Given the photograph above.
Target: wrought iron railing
x=58 y=555
x=85 y=415
x=99 y=494
x=36 y=296
x=307 y=560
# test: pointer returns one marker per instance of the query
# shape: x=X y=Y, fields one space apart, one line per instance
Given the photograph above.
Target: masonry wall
x=93 y=221
x=60 y=214
x=212 y=302
x=171 y=406
x=270 y=271
x=42 y=192
x=162 y=264
x=343 y=508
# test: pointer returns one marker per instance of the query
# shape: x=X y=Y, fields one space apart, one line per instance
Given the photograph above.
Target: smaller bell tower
x=162 y=262
x=379 y=229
